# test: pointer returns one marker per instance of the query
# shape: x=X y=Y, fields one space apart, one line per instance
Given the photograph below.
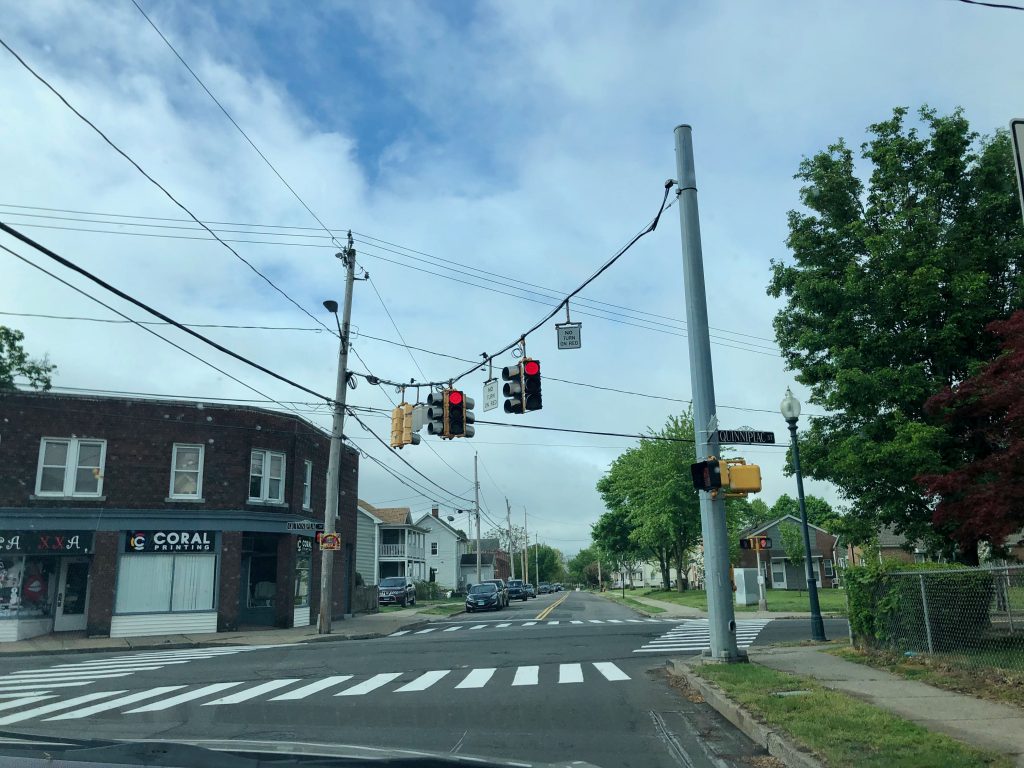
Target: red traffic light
x=531 y=368
x=454 y=397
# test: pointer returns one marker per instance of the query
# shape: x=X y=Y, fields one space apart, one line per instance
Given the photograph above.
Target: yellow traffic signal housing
x=397 y=420
x=408 y=436
x=745 y=478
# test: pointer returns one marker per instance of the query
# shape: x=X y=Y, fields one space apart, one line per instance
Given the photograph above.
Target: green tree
x=583 y=567
x=892 y=284
x=14 y=361
x=819 y=511
x=792 y=542
x=550 y=564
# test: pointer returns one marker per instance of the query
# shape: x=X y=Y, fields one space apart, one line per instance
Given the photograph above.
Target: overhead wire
x=155 y=183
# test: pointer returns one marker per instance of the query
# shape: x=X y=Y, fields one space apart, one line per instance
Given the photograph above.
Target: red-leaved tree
x=982 y=499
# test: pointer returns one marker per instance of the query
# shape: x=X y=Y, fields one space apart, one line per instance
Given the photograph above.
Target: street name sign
x=569 y=335
x=490 y=394
x=304 y=525
x=746 y=436
x=1017 y=135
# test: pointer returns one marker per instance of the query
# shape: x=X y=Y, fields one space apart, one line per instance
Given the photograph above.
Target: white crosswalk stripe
x=18 y=707
x=529 y=623
x=400 y=633
x=455 y=627
x=35 y=686
x=502 y=626
x=425 y=631
x=552 y=623
x=575 y=621
x=694 y=635
x=451 y=629
x=479 y=626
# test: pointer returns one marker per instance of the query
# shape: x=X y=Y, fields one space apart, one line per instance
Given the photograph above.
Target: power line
x=152 y=322
x=153 y=181
x=1004 y=6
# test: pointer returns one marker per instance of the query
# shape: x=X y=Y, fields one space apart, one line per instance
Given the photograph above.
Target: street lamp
x=790 y=408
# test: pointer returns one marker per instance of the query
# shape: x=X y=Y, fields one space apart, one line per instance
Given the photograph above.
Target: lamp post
x=790 y=408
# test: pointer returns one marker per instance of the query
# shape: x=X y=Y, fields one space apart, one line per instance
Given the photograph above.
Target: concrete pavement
x=567 y=686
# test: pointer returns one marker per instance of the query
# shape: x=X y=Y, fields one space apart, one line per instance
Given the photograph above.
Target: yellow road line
x=547 y=611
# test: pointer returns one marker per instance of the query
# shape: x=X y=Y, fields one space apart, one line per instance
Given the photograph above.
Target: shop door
x=72 y=595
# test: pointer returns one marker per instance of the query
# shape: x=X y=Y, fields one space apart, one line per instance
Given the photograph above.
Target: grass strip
x=644 y=607
x=843 y=730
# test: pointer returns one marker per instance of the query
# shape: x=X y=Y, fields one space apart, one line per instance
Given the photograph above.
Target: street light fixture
x=790 y=408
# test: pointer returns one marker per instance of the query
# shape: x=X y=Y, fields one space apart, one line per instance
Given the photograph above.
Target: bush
x=429 y=590
x=887 y=610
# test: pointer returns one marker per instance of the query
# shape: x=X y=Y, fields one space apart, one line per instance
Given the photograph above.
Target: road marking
x=103 y=706
x=547 y=611
x=477 y=678
x=526 y=675
x=479 y=626
x=575 y=621
x=44 y=677
x=181 y=698
x=23 y=701
x=424 y=631
x=552 y=622
x=570 y=673
x=424 y=681
x=634 y=621
x=307 y=690
x=372 y=684
x=114 y=663
x=610 y=671
x=56 y=706
x=452 y=629
x=252 y=693
x=595 y=621
x=614 y=621
x=653 y=621
x=695 y=635
x=528 y=624
x=403 y=632
x=46 y=685
x=502 y=626
x=17 y=695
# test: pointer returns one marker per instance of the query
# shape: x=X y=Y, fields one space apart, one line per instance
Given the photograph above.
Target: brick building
x=779 y=571
x=129 y=517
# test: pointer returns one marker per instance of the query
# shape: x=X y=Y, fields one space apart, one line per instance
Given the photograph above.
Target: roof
x=486 y=558
x=755 y=530
x=387 y=515
x=444 y=524
x=887 y=537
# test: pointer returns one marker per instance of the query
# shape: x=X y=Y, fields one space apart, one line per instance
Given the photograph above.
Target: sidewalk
x=360 y=627
x=981 y=723
x=677 y=610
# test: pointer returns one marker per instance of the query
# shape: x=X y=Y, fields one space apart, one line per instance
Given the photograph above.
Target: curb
x=205 y=643
x=776 y=743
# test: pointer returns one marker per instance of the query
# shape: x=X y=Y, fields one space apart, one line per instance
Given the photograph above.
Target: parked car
x=530 y=591
x=502 y=589
x=556 y=587
x=517 y=590
x=544 y=588
x=396 y=590
x=483 y=597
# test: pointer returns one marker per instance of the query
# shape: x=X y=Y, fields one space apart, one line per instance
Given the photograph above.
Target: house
x=126 y=517
x=780 y=572
x=467 y=568
x=445 y=547
x=400 y=547
x=367 y=545
x=895 y=546
x=502 y=561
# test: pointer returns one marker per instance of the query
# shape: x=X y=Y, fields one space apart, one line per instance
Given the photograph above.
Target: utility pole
x=536 y=559
x=526 y=549
x=511 y=541
x=705 y=425
x=348 y=258
x=476 y=503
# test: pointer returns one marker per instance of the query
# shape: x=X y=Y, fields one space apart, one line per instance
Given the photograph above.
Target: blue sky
x=526 y=139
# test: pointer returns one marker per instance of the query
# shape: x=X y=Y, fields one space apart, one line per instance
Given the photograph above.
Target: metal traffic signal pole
x=705 y=428
x=337 y=431
x=476 y=505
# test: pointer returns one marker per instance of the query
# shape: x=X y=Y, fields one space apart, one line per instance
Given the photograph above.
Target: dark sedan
x=517 y=590
x=483 y=597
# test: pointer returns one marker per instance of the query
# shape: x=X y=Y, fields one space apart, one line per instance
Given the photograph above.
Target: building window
x=828 y=568
x=70 y=467
x=165 y=583
x=303 y=567
x=266 y=476
x=433 y=547
x=307 y=485
x=186 y=471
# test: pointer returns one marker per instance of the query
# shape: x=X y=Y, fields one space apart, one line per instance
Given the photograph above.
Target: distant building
x=780 y=571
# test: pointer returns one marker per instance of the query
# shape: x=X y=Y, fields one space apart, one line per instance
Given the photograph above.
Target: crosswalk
x=469 y=626
x=82 y=673
x=694 y=635
x=45 y=705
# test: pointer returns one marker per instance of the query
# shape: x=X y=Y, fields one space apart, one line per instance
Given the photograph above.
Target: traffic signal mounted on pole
x=522 y=387
x=450 y=414
x=734 y=476
x=402 y=433
x=758 y=543
x=397 y=423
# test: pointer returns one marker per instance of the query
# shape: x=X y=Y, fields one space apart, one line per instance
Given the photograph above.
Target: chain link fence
x=972 y=617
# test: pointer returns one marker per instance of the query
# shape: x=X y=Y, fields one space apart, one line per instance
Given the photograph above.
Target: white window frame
x=71 y=468
x=266 y=456
x=829 y=569
x=433 y=548
x=198 y=495
x=307 y=486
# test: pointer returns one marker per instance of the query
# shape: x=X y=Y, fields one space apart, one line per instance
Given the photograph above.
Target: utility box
x=746 y=586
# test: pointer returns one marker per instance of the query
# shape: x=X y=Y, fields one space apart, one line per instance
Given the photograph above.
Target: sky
x=488 y=157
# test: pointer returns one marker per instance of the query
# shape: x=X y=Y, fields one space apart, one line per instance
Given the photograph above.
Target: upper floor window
x=307 y=485
x=186 y=471
x=433 y=547
x=266 y=476
x=70 y=467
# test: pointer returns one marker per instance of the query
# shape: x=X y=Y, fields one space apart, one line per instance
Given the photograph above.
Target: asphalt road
x=569 y=676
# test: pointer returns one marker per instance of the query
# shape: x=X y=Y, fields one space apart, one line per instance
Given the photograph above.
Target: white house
x=445 y=545
x=400 y=543
x=367 y=545
x=467 y=568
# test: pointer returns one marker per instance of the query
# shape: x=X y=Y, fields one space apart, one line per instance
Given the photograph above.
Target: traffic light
x=758 y=543
x=707 y=475
x=409 y=437
x=470 y=417
x=734 y=476
x=743 y=478
x=435 y=414
x=522 y=387
x=456 y=416
x=397 y=419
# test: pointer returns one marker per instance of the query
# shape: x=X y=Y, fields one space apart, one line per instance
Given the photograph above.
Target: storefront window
x=162 y=583
x=303 y=568
x=27 y=586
